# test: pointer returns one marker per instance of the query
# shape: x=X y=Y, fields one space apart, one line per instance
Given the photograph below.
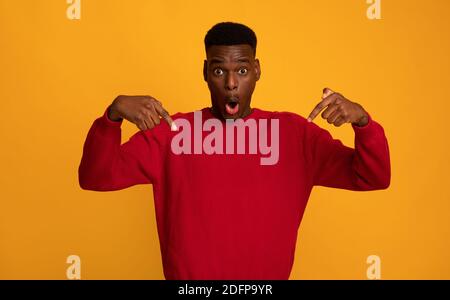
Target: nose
x=231 y=82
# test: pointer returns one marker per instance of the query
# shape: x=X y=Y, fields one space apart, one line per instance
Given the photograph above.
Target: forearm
x=99 y=153
x=371 y=163
x=366 y=167
x=106 y=165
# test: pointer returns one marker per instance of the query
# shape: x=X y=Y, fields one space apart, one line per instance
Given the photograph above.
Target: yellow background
x=58 y=75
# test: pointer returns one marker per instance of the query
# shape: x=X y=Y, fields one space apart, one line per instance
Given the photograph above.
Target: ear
x=257 y=69
x=205 y=70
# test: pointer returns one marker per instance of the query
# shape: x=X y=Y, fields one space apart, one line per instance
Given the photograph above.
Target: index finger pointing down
x=326 y=100
x=165 y=115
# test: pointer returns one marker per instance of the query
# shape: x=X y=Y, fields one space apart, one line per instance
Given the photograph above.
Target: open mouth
x=232 y=106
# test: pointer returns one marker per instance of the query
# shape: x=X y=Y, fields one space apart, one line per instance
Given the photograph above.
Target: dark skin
x=339 y=110
x=231 y=73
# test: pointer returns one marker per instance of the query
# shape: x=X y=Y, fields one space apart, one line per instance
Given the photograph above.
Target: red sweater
x=226 y=216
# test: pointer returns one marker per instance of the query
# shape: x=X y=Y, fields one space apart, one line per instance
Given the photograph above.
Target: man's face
x=231 y=73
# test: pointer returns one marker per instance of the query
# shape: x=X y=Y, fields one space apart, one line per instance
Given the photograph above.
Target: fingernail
x=173 y=127
x=327 y=91
x=309 y=119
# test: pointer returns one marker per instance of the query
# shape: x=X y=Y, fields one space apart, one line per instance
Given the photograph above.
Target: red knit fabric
x=226 y=216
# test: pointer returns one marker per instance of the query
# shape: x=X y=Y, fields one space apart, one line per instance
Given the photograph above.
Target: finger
x=149 y=104
x=153 y=115
x=327 y=92
x=320 y=106
x=149 y=123
x=141 y=125
x=339 y=121
x=165 y=115
x=330 y=109
x=334 y=116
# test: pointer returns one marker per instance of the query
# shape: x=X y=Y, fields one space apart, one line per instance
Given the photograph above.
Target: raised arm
x=106 y=165
x=367 y=166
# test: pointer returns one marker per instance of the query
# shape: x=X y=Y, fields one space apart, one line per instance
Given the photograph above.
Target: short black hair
x=230 y=33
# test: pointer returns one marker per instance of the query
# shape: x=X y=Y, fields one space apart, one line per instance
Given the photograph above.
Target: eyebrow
x=219 y=60
x=216 y=61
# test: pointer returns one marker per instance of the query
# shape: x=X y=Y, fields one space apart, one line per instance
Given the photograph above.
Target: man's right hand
x=144 y=111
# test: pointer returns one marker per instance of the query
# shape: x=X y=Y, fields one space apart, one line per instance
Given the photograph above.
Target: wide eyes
x=220 y=72
x=242 y=71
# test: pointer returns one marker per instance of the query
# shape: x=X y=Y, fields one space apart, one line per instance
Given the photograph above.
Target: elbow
x=85 y=186
x=90 y=186
x=91 y=182
x=86 y=182
x=83 y=178
x=380 y=182
x=382 y=176
x=383 y=182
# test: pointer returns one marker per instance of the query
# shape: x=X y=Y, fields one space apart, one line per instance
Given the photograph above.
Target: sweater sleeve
x=106 y=165
x=364 y=168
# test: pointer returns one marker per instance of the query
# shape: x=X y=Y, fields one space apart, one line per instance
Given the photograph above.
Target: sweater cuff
x=107 y=121
x=107 y=128
x=367 y=130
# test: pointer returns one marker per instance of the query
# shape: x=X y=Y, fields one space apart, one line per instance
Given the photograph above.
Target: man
x=223 y=214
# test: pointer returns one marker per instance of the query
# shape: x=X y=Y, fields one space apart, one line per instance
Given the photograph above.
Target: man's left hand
x=339 y=110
